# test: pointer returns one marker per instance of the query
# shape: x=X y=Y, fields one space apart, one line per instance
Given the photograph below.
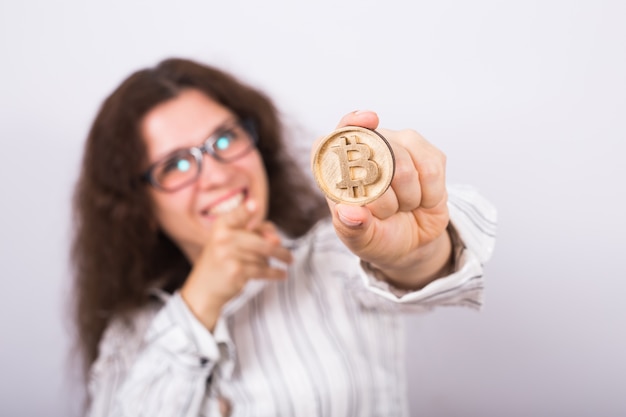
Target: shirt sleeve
x=159 y=365
x=473 y=224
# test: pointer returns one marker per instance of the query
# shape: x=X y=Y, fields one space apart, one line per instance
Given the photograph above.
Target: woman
x=210 y=279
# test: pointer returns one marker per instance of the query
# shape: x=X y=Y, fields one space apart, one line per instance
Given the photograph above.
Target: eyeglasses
x=184 y=166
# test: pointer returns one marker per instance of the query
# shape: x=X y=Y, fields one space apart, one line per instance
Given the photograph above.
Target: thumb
x=353 y=224
x=362 y=118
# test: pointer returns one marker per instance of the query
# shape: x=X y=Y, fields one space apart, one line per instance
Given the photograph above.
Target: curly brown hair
x=117 y=253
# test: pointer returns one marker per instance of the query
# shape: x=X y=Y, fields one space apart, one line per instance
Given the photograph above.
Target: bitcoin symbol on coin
x=353 y=165
x=350 y=167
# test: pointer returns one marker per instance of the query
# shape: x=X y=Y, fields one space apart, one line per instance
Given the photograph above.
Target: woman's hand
x=403 y=233
x=237 y=251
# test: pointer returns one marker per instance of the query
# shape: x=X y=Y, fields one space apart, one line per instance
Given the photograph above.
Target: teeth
x=228 y=205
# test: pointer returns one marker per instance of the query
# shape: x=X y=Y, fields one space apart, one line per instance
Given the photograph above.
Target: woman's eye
x=183 y=165
x=223 y=142
x=176 y=164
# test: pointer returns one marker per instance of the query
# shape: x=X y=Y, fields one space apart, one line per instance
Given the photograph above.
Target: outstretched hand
x=403 y=233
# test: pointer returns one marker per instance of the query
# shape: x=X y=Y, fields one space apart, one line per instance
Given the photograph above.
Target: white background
x=527 y=99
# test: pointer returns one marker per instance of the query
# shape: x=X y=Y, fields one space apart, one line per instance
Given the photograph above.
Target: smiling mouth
x=226 y=206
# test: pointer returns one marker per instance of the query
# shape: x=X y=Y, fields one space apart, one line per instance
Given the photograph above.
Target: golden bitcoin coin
x=353 y=165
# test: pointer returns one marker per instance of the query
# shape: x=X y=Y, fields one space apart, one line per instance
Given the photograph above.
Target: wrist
x=433 y=260
x=206 y=311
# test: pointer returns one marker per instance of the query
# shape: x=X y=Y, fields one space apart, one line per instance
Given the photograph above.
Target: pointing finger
x=241 y=217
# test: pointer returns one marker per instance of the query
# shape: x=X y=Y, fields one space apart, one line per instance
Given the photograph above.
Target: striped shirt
x=328 y=341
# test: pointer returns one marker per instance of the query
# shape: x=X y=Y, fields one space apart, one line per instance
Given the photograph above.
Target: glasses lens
x=231 y=143
x=176 y=171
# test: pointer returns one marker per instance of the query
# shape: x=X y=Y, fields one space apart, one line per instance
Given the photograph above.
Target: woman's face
x=186 y=215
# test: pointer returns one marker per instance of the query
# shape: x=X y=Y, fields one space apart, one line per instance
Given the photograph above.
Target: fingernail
x=349 y=222
x=358 y=112
x=251 y=205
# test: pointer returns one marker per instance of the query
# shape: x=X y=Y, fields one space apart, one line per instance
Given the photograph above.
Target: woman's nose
x=213 y=172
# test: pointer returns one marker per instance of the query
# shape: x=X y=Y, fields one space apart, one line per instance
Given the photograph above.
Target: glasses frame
x=205 y=148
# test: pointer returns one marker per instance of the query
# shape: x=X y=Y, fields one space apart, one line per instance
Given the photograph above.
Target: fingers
x=260 y=268
x=405 y=183
x=269 y=232
x=420 y=179
x=240 y=249
x=431 y=166
x=386 y=205
x=254 y=246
